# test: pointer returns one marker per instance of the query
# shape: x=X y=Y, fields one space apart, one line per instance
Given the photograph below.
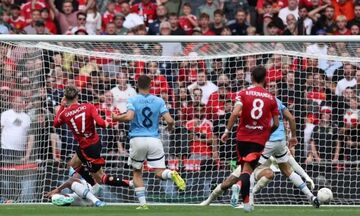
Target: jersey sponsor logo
x=73 y=112
x=252 y=127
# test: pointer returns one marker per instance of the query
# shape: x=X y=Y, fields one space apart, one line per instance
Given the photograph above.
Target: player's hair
x=144 y=82
x=71 y=92
x=259 y=74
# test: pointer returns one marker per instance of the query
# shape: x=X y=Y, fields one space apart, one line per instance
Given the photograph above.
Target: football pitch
x=49 y=210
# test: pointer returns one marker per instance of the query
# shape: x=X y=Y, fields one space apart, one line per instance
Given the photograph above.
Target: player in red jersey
x=258 y=112
x=81 y=118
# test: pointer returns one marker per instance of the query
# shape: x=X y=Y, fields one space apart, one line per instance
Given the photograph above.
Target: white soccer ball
x=325 y=195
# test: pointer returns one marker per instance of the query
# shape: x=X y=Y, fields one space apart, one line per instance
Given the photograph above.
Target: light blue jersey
x=148 y=110
x=279 y=134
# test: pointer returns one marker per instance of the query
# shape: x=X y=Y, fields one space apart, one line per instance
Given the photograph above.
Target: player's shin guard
x=298 y=182
x=263 y=181
x=85 y=174
x=140 y=194
x=114 y=181
x=84 y=192
x=245 y=186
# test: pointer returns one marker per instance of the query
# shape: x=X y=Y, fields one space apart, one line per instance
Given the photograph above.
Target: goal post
x=317 y=78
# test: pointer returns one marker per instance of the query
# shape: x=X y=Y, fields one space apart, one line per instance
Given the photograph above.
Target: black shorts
x=249 y=152
x=91 y=157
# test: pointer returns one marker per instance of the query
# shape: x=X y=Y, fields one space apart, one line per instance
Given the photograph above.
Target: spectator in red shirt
x=344 y=7
x=204 y=23
x=216 y=104
x=341 y=26
x=203 y=143
x=146 y=9
x=188 y=21
x=109 y=14
x=49 y=23
x=159 y=82
x=27 y=8
x=274 y=72
x=16 y=20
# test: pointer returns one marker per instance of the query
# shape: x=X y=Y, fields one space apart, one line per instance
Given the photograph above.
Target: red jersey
x=186 y=25
x=159 y=84
x=26 y=10
x=107 y=18
x=18 y=23
x=206 y=129
x=81 y=118
x=148 y=11
x=258 y=109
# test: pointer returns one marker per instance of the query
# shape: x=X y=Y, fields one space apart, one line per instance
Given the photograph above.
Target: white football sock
x=140 y=194
x=83 y=191
x=297 y=168
x=214 y=194
x=166 y=174
x=263 y=181
x=298 y=182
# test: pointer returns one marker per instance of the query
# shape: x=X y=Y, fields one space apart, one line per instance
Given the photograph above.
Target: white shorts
x=277 y=149
x=146 y=148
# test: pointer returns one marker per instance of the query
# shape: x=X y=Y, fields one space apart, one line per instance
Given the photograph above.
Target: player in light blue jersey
x=144 y=112
x=276 y=150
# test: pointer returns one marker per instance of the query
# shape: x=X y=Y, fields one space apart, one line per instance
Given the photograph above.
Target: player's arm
x=128 y=116
x=57 y=121
x=99 y=121
x=275 y=115
x=233 y=117
x=66 y=184
x=289 y=117
x=275 y=124
x=169 y=120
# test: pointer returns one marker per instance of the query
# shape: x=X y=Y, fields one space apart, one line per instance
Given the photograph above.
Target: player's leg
x=156 y=159
x=92 y=159
x=77 y=164
x=298 y=182
x=84 y=192
x=137 y=155
x=298 y=169
x=221 y=188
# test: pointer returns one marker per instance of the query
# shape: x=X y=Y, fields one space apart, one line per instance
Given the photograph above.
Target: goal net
x=318 y=82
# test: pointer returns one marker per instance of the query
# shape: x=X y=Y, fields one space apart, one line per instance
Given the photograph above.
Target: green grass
x=49 y=210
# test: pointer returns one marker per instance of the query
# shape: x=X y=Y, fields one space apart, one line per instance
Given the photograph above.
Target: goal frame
x=185 y=39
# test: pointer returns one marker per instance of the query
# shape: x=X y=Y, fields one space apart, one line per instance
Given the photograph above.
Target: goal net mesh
x=318 y=82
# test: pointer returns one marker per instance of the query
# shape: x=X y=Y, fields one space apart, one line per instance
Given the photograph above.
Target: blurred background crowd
x=180 y=17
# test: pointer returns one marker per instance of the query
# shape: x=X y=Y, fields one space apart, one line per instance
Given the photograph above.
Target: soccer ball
x=61 y=200
x=325 y=195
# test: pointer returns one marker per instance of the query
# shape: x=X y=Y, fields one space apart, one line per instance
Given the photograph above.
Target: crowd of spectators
x=180 y=17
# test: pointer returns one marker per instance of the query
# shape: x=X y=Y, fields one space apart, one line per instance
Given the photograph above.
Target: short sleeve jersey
x=148 y=110
x=81 y=118
x=258 y=109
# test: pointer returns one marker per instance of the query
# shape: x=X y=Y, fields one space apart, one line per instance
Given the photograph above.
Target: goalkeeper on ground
x=83 y=193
